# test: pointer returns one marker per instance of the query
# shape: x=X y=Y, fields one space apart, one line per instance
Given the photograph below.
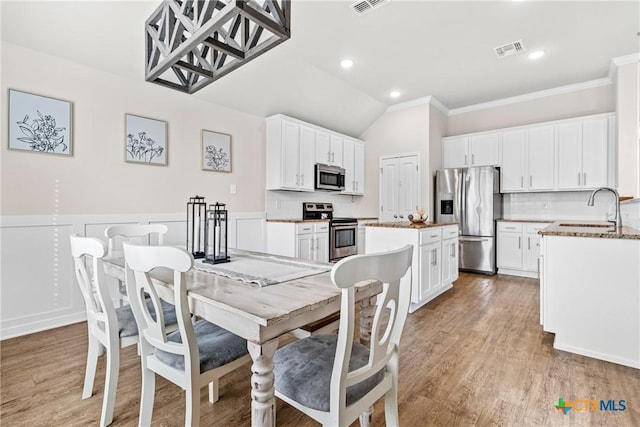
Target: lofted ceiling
x=420 y=48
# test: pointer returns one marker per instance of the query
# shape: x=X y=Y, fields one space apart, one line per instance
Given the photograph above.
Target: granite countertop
x=543 y=221
x=410 y=224
x=296 y=220
x=598 y=229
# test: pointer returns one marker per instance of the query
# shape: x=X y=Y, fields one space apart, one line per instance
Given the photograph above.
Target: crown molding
x=622 y=60
x=425 y=100
x=533 y=95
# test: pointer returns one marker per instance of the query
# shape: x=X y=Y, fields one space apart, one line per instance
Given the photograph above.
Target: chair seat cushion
x=303 y=371
x=127 y=323
x=216 y=345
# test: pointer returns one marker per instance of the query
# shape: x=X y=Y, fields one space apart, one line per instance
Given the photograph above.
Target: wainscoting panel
x=38 y=289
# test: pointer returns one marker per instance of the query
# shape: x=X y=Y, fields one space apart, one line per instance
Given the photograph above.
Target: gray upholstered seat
x=216 y=346
x=127 y=323
x=303 y=371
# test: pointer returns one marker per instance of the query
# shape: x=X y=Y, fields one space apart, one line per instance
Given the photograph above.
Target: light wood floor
x=476 y=356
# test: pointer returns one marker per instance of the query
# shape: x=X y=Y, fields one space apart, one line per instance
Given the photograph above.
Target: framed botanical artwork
x=216 y=151
x=145 y=140
x=39 y=124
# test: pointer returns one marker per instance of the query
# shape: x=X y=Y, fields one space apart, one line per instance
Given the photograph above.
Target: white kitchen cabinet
x=353 y=158
x=399 y=187
x=362 y=234
x=582 y=151
x=329 y=148
x=527 y=160
x=290 y=155
x=519 y=248
x=307 y=240
x=429 y=272
x=449 y=254
x=540 y=159
x=475 y=150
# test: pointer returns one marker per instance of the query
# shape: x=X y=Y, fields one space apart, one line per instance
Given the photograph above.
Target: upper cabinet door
x=290 y=155
x=454 y=152
x=540 y=159
x=595 y=148
x=484 y=150
x=358 y=167
x=336 y=151
x=513 y=161
x=569 y=149
x=307 y=158
x=323 y=147
x=349 y=172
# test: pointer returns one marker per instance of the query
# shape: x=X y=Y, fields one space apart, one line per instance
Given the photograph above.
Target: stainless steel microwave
x=330 y=178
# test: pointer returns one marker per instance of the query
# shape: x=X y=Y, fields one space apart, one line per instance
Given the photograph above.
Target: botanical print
x=146 y=140
x=216 y=151
x=38 y=123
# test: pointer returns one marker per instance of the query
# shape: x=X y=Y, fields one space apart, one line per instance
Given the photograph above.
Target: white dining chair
x=195 y=355
x=108 y=326
x=335 y=380
x=132 y=233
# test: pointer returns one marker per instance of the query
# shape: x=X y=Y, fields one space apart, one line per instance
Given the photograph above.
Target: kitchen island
x=434 y=265
x=590 y=289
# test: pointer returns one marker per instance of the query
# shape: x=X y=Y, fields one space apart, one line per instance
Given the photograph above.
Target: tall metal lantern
x=196 y=224
x=216 y=241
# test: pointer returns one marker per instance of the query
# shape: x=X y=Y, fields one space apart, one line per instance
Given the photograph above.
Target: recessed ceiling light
x=394 y=94
x=346 y=63
x=536 y=54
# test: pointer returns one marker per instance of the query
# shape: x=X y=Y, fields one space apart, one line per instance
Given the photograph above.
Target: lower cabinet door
x=531 y=252
x=449 y=261
x=305 y=247
x=321 y=247
x=426 y=271
x=510 y=250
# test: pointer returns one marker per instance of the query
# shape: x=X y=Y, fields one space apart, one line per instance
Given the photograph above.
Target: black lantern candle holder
x=196 y=224
x=215 y=247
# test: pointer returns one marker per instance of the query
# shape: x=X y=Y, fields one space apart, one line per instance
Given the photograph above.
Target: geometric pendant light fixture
x=192 y=43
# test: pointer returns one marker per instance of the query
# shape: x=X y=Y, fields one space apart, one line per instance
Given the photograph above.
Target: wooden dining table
x=261 y=315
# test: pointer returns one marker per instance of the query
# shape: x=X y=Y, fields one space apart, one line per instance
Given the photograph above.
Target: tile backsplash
x=288 y=204
x=558 y=205
x=631 y=213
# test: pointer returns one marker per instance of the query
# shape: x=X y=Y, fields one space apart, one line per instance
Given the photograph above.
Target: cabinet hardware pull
x=297 y=180
x=434 y=235
x=465 y=159
x=510 y=228
x=401 y=216
x=529 y=243
x=473 y=159
x=530 y=180
x=328 y=156
x=333 y=157
x=519 y=242
x=522 y=182
x=584 y=179
x=578 y=178
x=395 y=216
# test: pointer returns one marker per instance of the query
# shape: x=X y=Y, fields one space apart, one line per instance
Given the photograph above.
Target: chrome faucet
x=618 y=220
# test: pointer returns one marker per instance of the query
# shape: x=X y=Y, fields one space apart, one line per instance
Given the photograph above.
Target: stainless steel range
x=343 y=232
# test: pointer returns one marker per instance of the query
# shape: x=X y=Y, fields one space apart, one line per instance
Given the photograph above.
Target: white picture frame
x=145 y=140
x=40 y=124
x=216 y=151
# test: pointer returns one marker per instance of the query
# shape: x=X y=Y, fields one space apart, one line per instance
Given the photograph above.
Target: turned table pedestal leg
x=263 y=401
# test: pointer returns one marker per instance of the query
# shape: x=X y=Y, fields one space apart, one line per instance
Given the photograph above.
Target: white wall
x=627 y=90
x=395 y=132
x=593 y=100
x=45 y=198
x=96 y=179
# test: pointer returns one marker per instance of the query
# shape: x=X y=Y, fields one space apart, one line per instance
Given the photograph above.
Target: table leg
x=367 y=310
x=263 y=401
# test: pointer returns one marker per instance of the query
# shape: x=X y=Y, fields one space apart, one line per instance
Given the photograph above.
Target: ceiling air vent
x=509 y=49
x=365 y=6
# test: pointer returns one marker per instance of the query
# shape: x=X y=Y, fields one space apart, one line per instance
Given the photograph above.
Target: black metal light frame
x=196 y=226
x=216 y=243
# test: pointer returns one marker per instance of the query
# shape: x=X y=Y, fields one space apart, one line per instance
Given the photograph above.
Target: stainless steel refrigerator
x=471 y=197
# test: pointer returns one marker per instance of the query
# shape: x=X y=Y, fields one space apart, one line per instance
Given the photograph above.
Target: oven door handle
x=344 y=227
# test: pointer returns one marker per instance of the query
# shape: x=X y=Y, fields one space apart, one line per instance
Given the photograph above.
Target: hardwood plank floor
x=475 y=356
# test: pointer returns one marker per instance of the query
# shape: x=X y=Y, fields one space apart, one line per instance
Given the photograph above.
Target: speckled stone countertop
x=410 y=224
x=294 y=220
x=587 y=228
x=542 y=221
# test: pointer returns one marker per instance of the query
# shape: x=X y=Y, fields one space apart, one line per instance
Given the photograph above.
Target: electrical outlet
x=545 y=205
x=232 y=189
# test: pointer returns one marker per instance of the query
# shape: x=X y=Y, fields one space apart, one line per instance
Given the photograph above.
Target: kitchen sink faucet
x=618 y=220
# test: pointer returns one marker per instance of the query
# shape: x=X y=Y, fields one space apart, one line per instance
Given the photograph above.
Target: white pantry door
x=399 y=187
